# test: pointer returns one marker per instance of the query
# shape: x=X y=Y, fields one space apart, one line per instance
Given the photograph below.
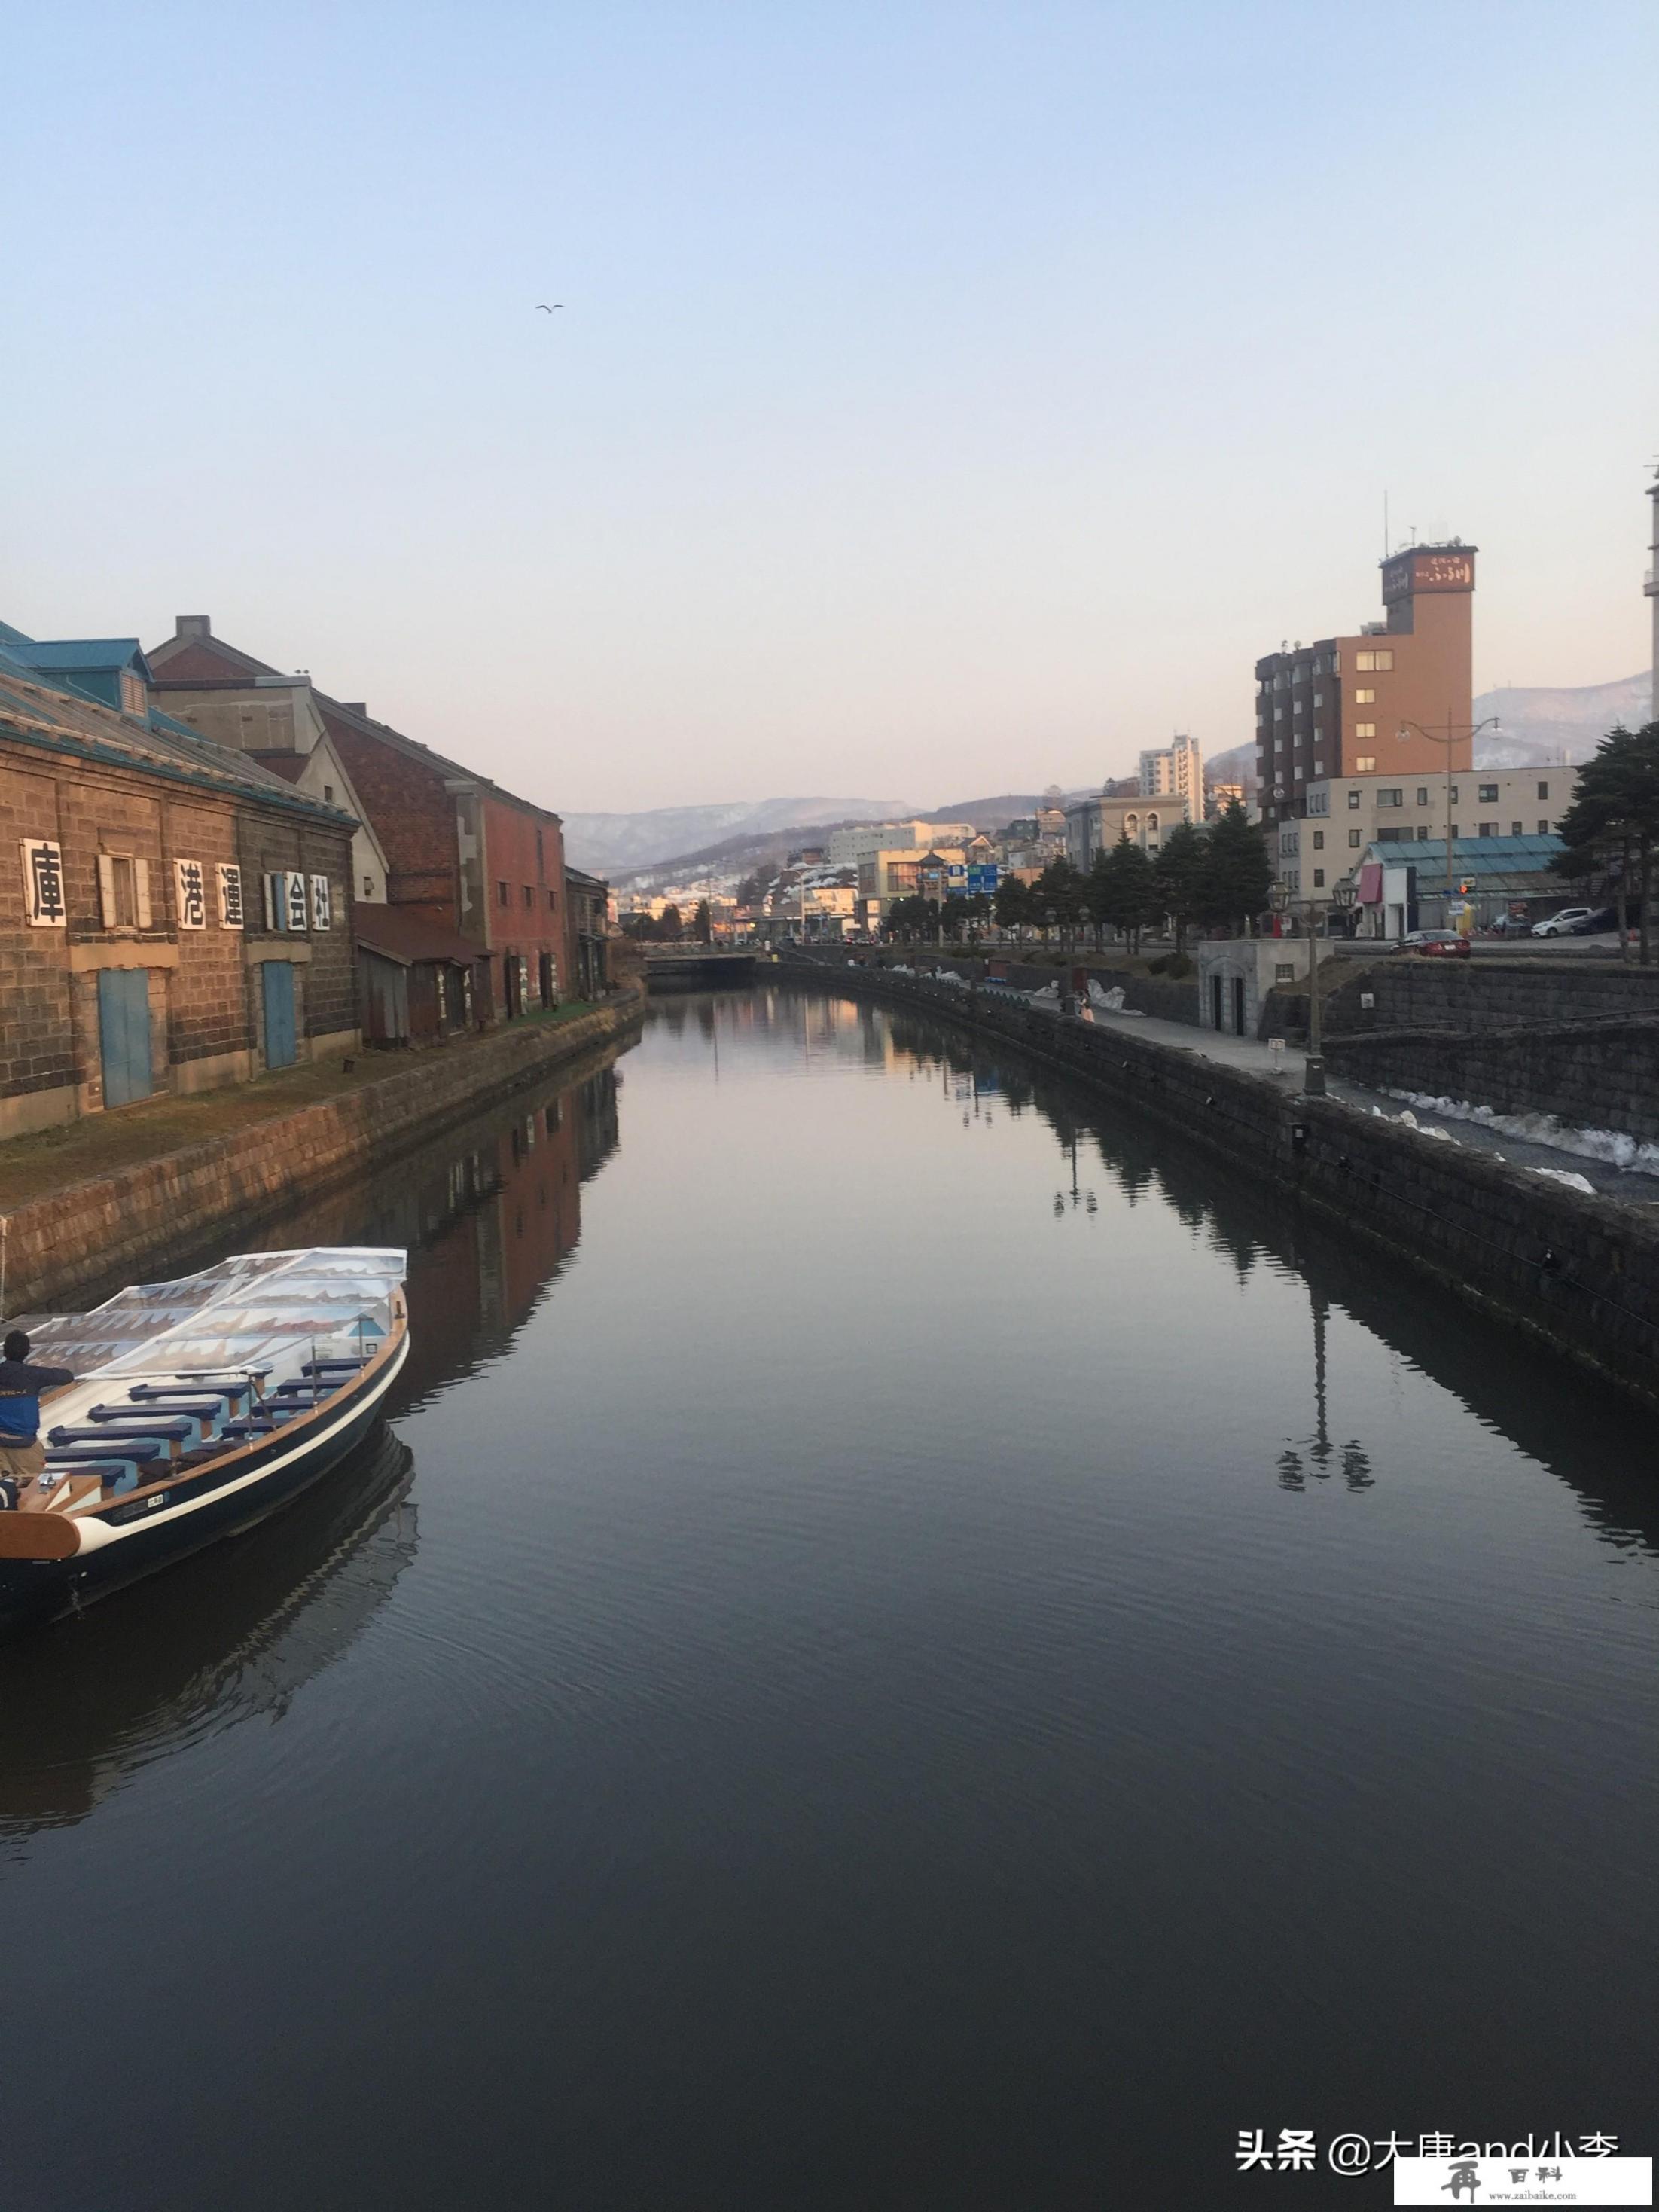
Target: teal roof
x=1473 y=856
x=37 y=711
x=74 y=656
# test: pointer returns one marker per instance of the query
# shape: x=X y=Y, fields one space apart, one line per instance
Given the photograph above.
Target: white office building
x=1347 y=813
x=1175 y=771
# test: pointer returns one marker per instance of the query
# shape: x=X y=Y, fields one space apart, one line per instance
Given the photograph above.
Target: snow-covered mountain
x=614 y=844
x=1557 y=725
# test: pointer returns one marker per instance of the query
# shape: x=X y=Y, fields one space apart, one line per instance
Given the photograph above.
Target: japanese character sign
x=191 y=879
x=230 y=895
x=321 y=909
x=43 y=884
x=296 y=902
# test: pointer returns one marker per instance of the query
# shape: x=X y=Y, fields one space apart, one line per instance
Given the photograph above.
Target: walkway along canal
x=916 y=1644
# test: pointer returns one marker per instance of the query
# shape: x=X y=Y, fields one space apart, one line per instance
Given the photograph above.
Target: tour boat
x=198 y=1407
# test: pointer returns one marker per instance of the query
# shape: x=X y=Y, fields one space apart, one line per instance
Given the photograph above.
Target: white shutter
x=106 y=888
x=140 y=893
x=273 y=901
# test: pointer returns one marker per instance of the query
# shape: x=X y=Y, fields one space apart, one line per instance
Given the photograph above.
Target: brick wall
x=523 y=848
x=201 y=990
x=205 y=997
x=412 y=814
x=325 y=985
x=36 y=1048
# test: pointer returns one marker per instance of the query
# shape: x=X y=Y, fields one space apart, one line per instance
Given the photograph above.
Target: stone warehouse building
x=172 y=917
x=471 y=861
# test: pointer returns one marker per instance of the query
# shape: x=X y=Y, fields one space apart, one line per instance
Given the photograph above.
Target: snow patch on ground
x=1612 y=1146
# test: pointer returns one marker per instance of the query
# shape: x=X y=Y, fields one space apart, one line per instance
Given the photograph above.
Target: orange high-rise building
x=1337 y=707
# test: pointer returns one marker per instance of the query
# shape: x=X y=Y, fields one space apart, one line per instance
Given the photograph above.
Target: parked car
x=1567 y=923
x=1437 y=944
x=1604 y=918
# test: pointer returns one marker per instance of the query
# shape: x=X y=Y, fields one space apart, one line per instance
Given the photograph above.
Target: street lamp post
x=1453 y=735
x=1341 y=898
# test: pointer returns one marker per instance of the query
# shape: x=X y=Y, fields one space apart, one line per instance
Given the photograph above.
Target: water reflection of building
x=505 y=1219
x=200 y=1648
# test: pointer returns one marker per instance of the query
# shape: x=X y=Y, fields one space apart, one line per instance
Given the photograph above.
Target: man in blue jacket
x=23 y=1455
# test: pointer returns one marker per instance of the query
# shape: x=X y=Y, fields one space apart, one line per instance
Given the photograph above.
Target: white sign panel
x=191 y=878
x=43 y=884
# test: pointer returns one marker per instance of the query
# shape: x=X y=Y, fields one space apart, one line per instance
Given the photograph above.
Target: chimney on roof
x=356 y=706
x=194 y=626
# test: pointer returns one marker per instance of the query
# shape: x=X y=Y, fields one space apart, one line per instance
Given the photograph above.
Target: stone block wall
x=113 y=1225
x=205 y=1010
x=1483 y=993
x=1596 y=1075
x=1577 y=1271
x=326 y=990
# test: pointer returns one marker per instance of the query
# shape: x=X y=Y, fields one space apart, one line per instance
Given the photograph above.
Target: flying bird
x=543 y=308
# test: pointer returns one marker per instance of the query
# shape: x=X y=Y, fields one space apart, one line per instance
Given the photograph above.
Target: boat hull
x=204 y=1507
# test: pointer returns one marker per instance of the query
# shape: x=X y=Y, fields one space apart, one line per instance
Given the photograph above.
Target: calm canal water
x=909 y=1645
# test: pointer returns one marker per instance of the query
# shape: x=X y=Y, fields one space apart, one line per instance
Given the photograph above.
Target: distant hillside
x=1544 y=726
x=619 y=844
x=1535 y=727
x=752 y=848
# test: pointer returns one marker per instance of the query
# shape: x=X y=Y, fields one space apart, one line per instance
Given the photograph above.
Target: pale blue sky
x=948 y=398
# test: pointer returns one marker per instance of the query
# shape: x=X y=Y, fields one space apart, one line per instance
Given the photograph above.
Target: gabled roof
x=399 y=934
x=34 y=712
x=199 y=657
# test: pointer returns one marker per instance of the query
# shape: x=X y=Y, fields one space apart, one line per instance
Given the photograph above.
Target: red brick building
x=172 y=918
x=473 y=860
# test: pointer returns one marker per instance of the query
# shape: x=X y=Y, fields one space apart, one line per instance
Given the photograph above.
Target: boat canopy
x=255 y=1310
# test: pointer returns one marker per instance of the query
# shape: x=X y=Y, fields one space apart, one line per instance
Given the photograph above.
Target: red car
x=1437 y=944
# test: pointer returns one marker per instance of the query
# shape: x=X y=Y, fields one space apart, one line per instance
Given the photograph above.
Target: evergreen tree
x=1612 y=824
x=668 y=929
x=1126 y=896
x=1012 y=902
x=1180 y=871
x=700 y=928
x=1062 y=890
x=1238 y=874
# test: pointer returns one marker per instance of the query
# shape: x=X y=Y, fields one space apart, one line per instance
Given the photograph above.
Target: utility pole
x=1453 y=735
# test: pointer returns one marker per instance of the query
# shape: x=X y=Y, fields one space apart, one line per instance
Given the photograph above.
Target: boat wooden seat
x=341 y=1367
x=104 y=1434
x=113 y=1445
x=195 y=1408
x=233 y=1397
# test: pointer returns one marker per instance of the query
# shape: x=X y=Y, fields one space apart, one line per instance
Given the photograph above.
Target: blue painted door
x=123 y=1033
x=280 y=1050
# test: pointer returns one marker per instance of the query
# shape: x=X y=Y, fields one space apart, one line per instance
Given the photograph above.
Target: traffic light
x=1466 y=886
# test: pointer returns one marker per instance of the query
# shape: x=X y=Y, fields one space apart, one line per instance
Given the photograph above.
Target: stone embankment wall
x=93 y=1230
x=1594 y=1075
x=1578 y=1271
x=1486 y=994
x=1171 y=1001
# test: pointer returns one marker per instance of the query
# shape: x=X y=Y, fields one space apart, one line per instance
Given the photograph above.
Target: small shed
x=417 y=977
